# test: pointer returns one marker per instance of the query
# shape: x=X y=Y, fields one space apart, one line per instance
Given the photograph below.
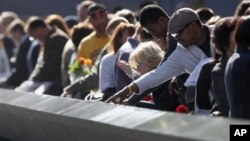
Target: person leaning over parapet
x=20 y=70
x=90 y=81
x=107 y=65
x=91 y=45
x=237 y=74
x=155 y=20
x=69 y=48
x=194 y=38
x=121 y=79
x=224 y=40
x=47 y=70
x=6 y=18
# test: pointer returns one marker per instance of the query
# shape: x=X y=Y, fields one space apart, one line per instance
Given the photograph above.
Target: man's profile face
x=185 y=36
x=157 y=29
x=33 y=33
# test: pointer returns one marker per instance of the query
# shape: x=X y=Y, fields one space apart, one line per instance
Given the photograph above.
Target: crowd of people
x=193 y=61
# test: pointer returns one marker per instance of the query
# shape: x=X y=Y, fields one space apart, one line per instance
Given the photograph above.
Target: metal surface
x=30 y=117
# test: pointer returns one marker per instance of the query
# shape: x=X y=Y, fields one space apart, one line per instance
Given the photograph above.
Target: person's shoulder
x=88 y=38
x=217 y=70
x=57 y=33
x=180 y=48
x=108 y=56
x=210 y=28
x=125 y=47
x=234 y=57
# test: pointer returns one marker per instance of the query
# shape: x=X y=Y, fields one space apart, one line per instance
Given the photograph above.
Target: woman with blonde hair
x=143 y=59
x=146 y=57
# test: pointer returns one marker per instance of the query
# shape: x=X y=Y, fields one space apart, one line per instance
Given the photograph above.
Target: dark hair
x=35 y=22
x=242 y=33
x=145 y=34
x=94 y=7
x=241 y=8
x=151 y=14
x=71 y=20
x=78 y=32
x=222 y=31
x=205 y=14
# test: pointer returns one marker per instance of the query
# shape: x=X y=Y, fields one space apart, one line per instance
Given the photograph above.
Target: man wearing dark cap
x=91 y=45
x=186 y=27
x=155 y=20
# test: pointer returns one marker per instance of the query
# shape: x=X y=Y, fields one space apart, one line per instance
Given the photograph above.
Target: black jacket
x=237 y=80
x=20 y=68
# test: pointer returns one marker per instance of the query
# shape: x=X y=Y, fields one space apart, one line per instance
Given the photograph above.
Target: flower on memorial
x=182 y=109
x=80 y=66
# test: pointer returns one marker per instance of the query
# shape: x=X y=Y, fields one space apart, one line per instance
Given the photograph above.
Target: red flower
x=148 y=98
x=182 y=109
x=83 y=61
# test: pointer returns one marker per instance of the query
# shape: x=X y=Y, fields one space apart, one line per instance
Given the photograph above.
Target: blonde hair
x=148 y=52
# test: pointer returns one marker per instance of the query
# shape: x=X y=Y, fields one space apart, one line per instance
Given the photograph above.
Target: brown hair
x=242 y=32
x=115 y=42
x=57 y=20
x=222 y=31
x=78 y=32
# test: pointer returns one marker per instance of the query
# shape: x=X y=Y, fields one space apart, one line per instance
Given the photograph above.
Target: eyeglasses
x=180 y=31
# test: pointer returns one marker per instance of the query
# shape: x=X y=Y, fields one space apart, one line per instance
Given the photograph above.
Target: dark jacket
x=218 y=86
x=203 y=86
x=9 y=46
x=237 y=78
x=32 y=55
x=48 y=67
x=20 y=68
x=123 y=53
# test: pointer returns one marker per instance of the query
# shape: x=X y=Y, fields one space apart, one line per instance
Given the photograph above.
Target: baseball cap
x=94 y=7
x=180 y=19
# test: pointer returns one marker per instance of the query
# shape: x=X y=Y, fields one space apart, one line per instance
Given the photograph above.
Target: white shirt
x=107 y=72
x=182 y=60
x=193 y=77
